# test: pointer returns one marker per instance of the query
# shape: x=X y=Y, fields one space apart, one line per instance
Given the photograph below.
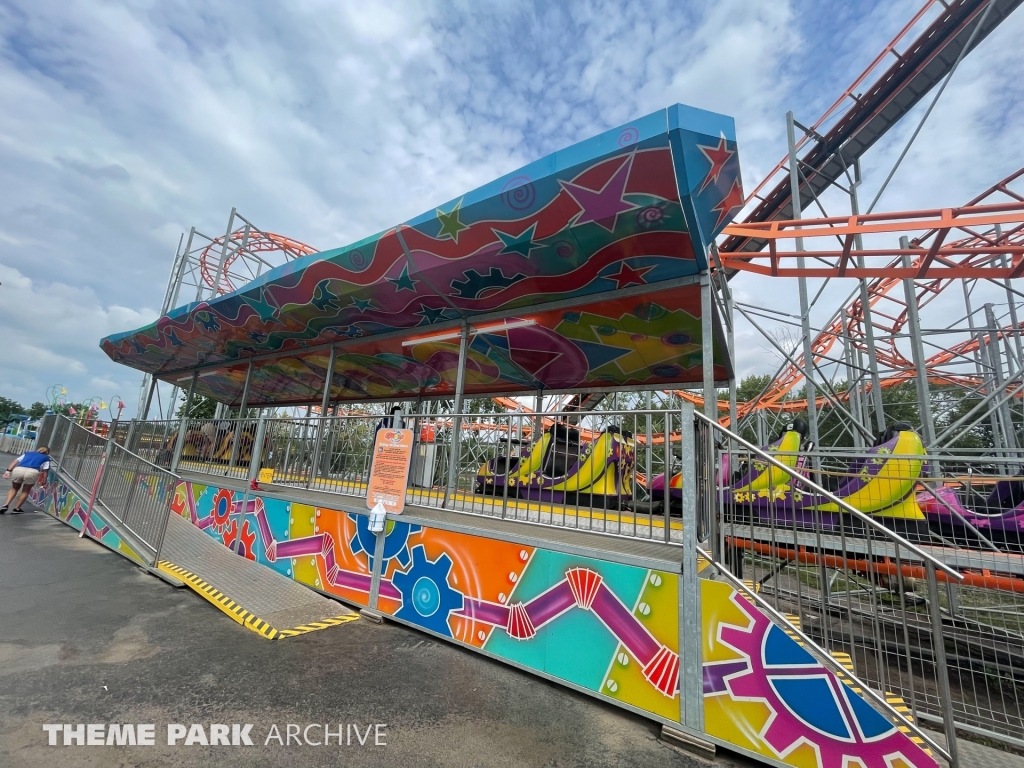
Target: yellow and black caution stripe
x=246 y=618
x=896 y=702
x=313 y=626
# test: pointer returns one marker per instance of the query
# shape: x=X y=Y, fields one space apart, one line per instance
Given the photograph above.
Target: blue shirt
x=34 y=460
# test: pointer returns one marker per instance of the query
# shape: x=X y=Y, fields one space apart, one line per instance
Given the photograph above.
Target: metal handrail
x=823 y=655
x=866 y=519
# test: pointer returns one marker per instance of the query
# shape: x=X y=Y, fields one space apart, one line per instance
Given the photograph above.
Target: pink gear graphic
x=785 y=731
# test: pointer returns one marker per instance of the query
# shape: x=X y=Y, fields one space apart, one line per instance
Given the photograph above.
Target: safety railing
x=825 y=656
x=155 y=441
x=81 y=455
x=846 y=556
x=216 y=446
x=44 y=434
x=324 y=454
x=598 y=470
x=967 y=510
x=133 y=495
x=61 y=429
x=137 y=494
x=856 y=582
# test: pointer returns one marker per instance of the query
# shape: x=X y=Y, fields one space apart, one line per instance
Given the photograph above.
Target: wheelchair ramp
x=255 y=596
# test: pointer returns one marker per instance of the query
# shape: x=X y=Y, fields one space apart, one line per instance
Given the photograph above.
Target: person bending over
x=24 y=473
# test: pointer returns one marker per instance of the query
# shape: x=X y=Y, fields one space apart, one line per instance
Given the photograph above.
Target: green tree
x=37 y=409
x=750 y=387
x=7 y=408
x=203 y=407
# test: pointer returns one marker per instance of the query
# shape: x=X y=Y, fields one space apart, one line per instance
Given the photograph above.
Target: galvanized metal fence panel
x=138 y=495
x=82 y=454
x=133 y=494
x=154 y=440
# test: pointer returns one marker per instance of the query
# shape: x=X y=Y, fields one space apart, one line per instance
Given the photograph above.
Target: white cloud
x=51 y=336
x=328 y=122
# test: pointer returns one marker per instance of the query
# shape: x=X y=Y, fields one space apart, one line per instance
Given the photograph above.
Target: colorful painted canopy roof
x=591 y=253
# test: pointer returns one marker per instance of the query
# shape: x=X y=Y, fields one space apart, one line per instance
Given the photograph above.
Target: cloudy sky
x=123 y=124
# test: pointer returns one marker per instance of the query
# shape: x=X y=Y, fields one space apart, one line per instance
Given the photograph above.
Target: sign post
x=392 y=453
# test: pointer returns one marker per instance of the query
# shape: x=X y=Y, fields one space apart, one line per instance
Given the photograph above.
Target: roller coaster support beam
x=852 y=388
x=865 y=303
x=917 y=353
x=460 y=384
x=826 y=395
x=223 y=255
x=935 y=260
x=996 y=361
x=810 y=387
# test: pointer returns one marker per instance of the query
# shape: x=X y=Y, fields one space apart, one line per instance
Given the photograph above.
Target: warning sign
x=392 y=452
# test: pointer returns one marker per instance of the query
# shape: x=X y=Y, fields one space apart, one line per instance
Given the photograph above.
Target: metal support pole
x=180 y=277
x=690 y=657
x=149 y=397
x=917 y=352
x=707 y=348
x=733 y=421
x=810 y=388
x=257 y=449
x=460 y=382
x=648 y=447
x=324 y=424
x=865 y=304
x=183 y=424
x=851 y=388
x=191 y=393
x=941 y=670
x=996 y=359
x=538 y=409
x=242 y=406
x=223 y=255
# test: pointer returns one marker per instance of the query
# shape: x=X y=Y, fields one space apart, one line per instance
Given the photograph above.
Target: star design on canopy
x=602 y=206
x=430 y=314
x=629 y=276
x=718 y=157
x=261 y=307
x=173 y=338
x=403 y=281
x=361 y=304
x=521 y=244
x=732 y=200
x=450 y=224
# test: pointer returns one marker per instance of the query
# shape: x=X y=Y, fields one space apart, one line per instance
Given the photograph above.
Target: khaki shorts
x=24 y=476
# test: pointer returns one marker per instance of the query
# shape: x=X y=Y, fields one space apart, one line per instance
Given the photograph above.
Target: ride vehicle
x=563 y=469
x=960 y=513
x=880 y=484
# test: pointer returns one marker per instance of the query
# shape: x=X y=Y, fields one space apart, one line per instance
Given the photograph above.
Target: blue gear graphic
x=396 y=537
x=427 y=600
